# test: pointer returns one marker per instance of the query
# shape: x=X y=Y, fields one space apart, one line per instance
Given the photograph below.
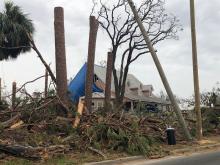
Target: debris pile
x=40 y=129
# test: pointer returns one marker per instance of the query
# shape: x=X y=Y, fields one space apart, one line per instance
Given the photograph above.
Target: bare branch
x=93 y=8
x=126 y=39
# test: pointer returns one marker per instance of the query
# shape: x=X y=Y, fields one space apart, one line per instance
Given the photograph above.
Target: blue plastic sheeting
x=76 y=87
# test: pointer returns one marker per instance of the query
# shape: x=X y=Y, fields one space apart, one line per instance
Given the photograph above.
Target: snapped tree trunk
x=108 y=80
x=117 y=92
x=94 y=24
x=13 y=99
x=46 y=84
x=60 y=53
x=161 y=72
x=195 y=72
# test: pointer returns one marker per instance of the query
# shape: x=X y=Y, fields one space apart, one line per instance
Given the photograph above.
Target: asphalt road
x=210 y=158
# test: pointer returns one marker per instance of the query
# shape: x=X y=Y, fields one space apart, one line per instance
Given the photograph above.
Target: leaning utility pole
x=161 y=72
x=195 y=72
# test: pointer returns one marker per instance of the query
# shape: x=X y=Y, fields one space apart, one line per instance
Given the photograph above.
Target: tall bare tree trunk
x=108 y=80
x=60 y=52
x=161 y=72
x=195 y=72
x=94 y=24
x=0 y=89
x=13 y=99
x=46 y=84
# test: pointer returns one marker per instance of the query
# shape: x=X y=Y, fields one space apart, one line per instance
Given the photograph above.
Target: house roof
x=131 y=82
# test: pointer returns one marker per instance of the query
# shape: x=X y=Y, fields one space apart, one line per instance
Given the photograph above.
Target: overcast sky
x=175 y=55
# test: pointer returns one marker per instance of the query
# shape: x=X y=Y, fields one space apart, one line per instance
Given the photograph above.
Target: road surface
x=209 y=158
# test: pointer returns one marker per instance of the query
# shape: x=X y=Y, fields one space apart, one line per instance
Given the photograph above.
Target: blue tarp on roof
x=76 y=87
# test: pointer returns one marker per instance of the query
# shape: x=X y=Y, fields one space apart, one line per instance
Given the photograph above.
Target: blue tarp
x=76 y=87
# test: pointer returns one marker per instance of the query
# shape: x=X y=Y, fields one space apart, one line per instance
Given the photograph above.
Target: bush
x=211 y=120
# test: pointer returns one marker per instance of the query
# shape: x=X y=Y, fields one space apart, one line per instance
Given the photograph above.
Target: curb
x=120 y=160
x=194 y=149
x=139 y=158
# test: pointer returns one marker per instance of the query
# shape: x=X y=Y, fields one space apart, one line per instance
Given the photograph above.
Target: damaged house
x=135 y=91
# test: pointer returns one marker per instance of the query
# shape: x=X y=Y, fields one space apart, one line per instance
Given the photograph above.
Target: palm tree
x=16 y=35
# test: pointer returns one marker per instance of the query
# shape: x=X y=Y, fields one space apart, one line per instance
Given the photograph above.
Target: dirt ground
x=208 y=143
x=181 y=148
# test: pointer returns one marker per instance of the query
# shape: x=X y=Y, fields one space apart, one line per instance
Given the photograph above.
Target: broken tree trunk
x=161 y=71
x=60 y=53
x=10 y=122
x=13 y=99
x=33 y=153
x=108 y=80
x=19 y=151
x=46 y=84
x=94 y=24
x=80 y=109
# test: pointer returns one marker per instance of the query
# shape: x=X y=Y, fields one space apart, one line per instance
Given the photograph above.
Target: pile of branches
x=45 y=131
x=40 y=129
x=115 y=131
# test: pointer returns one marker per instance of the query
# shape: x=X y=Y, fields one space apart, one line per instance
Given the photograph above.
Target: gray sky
x=175 y=55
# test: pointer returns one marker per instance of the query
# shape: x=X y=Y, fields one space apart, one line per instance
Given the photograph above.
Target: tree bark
x=11 y=121
x=195 y=72
x=60 y=53
x=108 y=80
x=46 y=84
x=161 y=72
x=94 y=24
x=20 y=151
x=13 y=99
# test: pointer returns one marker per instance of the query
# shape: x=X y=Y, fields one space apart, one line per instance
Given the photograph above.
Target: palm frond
x=14 y=29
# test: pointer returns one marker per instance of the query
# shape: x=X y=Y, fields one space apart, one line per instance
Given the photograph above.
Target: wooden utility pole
x=46 y=84
x=13 y=99
x=94 y=24
x=195 y=72
x=108 y=80
x=161 y=72
x=60 y=53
